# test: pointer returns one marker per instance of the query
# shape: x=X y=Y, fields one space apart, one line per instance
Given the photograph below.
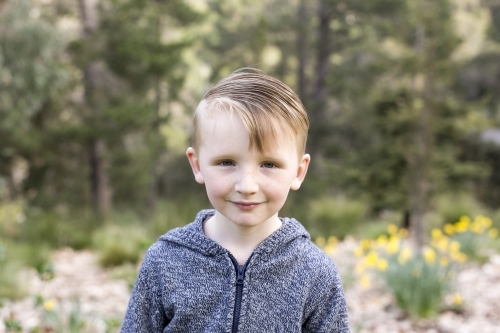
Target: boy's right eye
x=226 y=163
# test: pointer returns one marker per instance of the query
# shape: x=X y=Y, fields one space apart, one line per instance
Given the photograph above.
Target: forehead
x=221 y=129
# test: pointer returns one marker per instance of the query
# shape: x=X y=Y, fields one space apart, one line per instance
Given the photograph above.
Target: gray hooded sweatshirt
x=189 y=283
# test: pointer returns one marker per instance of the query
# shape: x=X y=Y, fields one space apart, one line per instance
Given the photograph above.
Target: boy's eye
x=226 y=163
x=268 y=165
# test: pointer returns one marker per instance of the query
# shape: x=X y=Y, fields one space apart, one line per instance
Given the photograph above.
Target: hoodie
x=189 y=283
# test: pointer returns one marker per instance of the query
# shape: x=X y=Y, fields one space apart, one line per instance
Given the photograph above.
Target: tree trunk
x=319 y=94
x=420 y=155
x=301 y=49
x=155 y=164
x=99 y=180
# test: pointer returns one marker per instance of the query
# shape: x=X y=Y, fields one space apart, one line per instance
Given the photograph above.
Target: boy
x=239 y=267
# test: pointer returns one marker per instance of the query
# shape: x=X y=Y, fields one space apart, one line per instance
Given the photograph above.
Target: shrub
x=472 y=235
x=172 y=214
x=11 y=286
x=418 y=280
x=120 y=244
x=451 y=207
x=336 y=216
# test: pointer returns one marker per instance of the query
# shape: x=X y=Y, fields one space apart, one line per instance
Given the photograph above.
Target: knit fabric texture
x=187 y=283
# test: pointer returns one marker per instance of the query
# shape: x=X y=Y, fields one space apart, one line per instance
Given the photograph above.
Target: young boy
x=239 y=267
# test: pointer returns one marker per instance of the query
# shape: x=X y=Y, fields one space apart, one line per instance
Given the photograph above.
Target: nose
x=247 y=183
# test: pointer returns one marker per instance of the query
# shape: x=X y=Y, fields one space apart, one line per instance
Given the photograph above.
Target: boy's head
x=267 y=107
x=249 y=141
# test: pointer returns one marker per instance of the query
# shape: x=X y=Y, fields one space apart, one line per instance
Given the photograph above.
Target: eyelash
x=223 y=163
x=270 y=165
x=273 y=165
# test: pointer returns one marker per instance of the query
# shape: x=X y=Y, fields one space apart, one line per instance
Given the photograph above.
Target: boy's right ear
x=195 y=165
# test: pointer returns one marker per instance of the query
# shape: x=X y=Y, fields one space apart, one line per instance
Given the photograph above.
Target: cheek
x=278 y=189
x=216 y=187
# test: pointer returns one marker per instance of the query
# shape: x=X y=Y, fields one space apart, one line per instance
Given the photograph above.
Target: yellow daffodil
x=332 y=240
x=442 y=244
x=404 y=255
x=493 y=233
x=454 y=246
x=476 y=227
x=486 y=222
x=458 y=256
x=320 y=241
x=381 y=240
x=449 y=229
x=483 y=221
x=49 y=305
x=329 y=248
x=436 y=233
x=462 y=225
x=403 y=233
x=429 y=255
x=365 y=244
x=462 y=257
x=365 y=281
x=392 y=246
x=444 y=261
x=358 y=252
x=371 y=259
x=392 y=229
x=360 y=268
x=382 y=265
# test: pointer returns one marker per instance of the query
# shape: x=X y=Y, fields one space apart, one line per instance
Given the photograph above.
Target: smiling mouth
x=246 y=205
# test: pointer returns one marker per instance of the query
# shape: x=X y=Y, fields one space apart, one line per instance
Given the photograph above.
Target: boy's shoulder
x=290 y=243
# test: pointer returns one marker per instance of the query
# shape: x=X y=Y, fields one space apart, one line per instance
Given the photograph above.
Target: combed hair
x=263 y=103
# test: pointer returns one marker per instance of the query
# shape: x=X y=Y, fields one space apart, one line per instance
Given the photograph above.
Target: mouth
x=246 y=205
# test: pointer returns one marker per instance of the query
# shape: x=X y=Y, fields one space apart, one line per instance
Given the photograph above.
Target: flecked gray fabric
x=187 y=283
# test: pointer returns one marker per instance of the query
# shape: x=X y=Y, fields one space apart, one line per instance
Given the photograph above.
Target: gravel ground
x=80 y=283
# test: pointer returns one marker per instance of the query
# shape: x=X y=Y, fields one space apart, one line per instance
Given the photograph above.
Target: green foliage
x=418 y=287
x=55 y=229
x=119 y=244
x=337 y=216
x=57 y=319
x=451 y=207
x=11 y=284
x=418 y=279
x=473 y=235
x=126 y=272
x=172 y=214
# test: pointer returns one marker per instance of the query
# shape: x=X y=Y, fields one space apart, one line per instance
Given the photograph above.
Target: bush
x=336 y=216
x=172 y=214
x=472 y=235
x=418 y=280
x=11 y=286
x=452 y=206
x=119 y=244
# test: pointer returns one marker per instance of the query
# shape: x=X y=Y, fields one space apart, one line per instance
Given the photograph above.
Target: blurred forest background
x=96 y=98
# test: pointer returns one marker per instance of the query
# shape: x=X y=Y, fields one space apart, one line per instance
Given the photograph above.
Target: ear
x=301 y=172
x=195 y=165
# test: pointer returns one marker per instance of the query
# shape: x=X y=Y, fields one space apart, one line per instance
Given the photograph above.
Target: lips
x=246 y=205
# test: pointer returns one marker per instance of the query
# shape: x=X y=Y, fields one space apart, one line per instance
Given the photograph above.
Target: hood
x=192 y=236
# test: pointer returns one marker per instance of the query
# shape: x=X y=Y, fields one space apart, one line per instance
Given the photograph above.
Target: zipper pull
x=241 y=270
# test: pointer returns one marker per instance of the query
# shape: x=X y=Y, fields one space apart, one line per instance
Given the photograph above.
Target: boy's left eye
x=226 y=163
x=268 y=165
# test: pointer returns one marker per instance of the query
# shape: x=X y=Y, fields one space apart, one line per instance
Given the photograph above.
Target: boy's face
x=244 y=185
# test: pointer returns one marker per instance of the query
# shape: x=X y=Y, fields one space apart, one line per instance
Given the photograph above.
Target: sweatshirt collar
x=193 y=237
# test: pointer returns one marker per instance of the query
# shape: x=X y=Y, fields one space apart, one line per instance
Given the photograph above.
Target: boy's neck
x=240 y=241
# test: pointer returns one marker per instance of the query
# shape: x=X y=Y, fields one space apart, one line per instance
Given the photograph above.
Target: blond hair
x=263 y=103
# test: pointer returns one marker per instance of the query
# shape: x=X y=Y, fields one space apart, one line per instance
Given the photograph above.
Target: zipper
x=240 y=277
